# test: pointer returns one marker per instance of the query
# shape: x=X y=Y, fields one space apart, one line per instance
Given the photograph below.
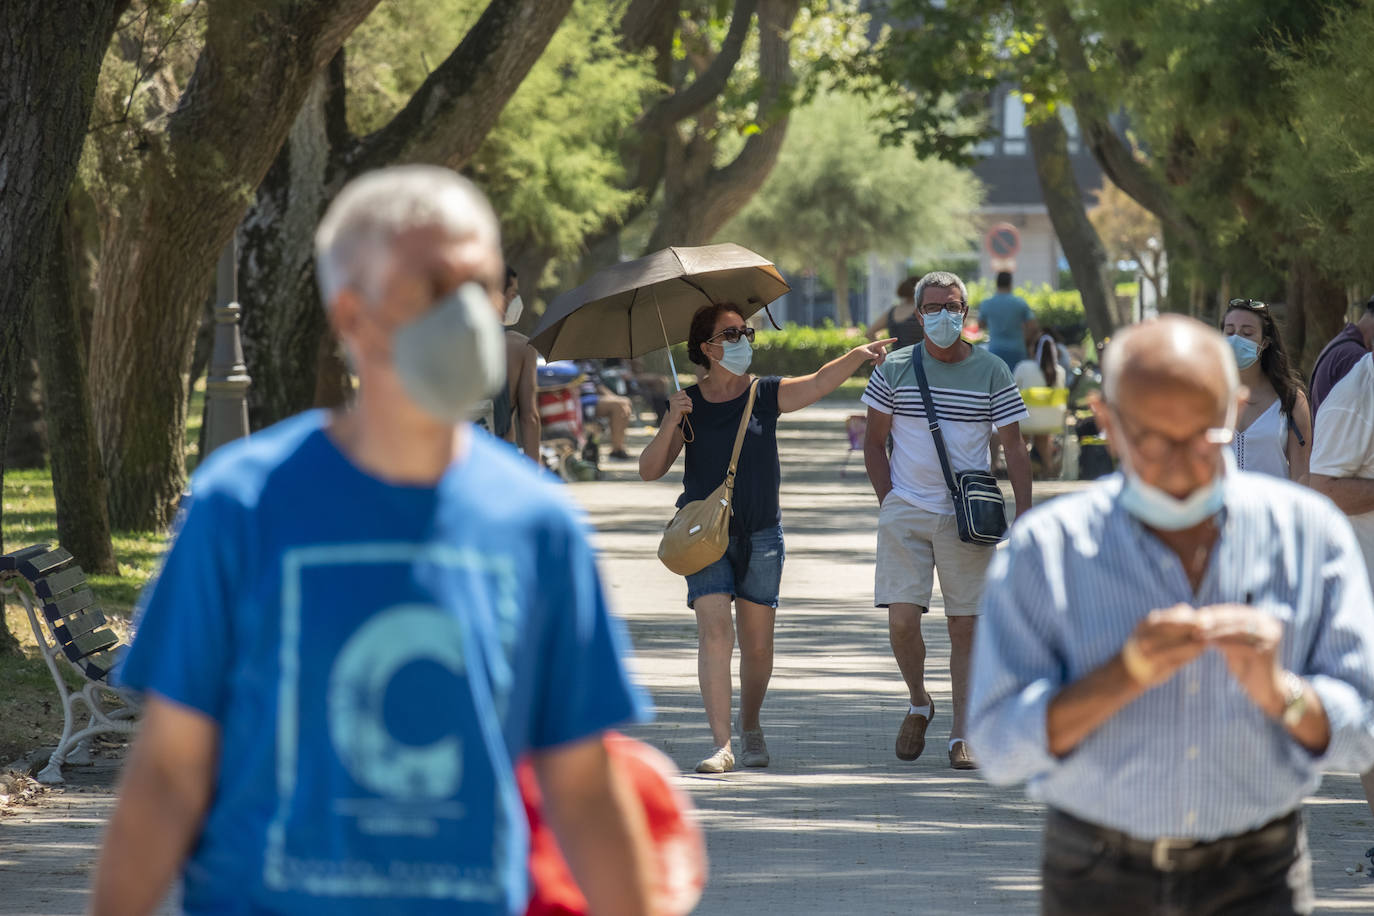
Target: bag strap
x=918 y=363
x=739 y=436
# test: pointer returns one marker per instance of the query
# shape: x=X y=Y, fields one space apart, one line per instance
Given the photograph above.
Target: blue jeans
x=755 y=578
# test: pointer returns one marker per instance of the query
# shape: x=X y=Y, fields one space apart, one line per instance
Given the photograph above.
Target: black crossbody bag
x=979 y=509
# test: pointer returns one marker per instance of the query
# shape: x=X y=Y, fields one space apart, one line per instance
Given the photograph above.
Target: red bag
x=679 y=847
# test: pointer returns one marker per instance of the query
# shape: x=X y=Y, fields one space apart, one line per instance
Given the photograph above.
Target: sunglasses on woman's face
x=731 y=335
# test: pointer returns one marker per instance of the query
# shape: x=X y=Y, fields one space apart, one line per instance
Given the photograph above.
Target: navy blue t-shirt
x=376 y=657
x=758 y=476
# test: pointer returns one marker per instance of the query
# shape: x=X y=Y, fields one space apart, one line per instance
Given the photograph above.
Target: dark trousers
x=1092 y=871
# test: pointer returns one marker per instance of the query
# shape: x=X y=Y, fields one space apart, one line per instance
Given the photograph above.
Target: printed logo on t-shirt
x=388 y=770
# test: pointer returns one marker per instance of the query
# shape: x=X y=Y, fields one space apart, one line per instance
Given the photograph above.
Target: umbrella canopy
x=629 y=309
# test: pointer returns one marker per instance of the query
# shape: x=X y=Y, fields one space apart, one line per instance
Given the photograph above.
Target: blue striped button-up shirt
x=1194 y=757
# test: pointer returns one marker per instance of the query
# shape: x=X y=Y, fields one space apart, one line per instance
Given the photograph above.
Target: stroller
x=568 y=447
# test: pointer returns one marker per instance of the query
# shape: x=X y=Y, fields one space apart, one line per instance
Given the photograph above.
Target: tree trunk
x=52 y=51
x=27 y=447
x=1315 y=313
x=288 y=350
x=699 y=198
x=283 y=321
x=1082 y=246
x=165 y=235
x=78 y=477
x=843 y=317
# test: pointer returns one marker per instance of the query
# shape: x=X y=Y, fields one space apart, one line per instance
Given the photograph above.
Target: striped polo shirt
x=973 y=398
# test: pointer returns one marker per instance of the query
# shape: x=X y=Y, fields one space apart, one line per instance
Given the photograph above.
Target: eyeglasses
x=935 y=308
x=1253 y=305
x=732 y=335
x=1153 y=446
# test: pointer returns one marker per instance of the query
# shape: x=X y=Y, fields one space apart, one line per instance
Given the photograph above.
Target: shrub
x=1061 y=309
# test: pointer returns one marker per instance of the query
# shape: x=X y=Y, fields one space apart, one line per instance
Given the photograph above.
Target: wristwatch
x=1294 y=699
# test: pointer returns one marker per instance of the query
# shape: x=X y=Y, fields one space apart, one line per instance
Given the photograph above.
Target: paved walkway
x=837 y=825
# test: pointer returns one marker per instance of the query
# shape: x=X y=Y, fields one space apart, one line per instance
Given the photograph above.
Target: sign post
x=1002 y=242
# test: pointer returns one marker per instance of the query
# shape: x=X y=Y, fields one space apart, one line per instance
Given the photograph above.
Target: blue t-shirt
x=376 y=657
x=1002 y=316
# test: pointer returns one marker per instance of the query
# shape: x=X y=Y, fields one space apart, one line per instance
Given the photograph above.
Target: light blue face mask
x=736 y=357
x=943 y=328
x=452 y=356
x=1157 y=509
x=1246 y=350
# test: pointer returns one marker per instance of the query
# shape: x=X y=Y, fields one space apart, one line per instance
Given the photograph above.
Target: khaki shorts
x=913 y=545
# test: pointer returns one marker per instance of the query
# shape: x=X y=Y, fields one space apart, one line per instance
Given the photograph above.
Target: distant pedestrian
x=900 y=321
x=1341 y=354
x=515 y=408
x=1008 y=321
x=975 y=398
x=1274 y=427
x=368 y=615
x=749 y=576
x=1172 y=658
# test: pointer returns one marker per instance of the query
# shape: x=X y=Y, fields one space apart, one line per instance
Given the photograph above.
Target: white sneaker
x=722 y=760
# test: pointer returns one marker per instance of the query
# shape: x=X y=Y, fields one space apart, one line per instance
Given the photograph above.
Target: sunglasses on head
x=1252 y=305
x=731 y=335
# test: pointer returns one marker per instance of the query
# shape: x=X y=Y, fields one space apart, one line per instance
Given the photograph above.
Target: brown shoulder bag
x=700 y=531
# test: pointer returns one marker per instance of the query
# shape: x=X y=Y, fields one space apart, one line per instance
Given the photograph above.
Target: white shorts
x=913 y=544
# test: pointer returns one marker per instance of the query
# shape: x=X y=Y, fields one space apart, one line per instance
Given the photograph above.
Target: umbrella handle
x=688 y=434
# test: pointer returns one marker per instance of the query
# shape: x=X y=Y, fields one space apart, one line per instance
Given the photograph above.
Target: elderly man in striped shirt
x=974 y=398
x=1172 y=658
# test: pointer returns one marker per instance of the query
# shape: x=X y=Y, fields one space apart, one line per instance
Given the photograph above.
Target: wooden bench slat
x=11 y=561
x=89 y=644
x=99 y=665
x=69 y=604
x=58 y=583
x=38 y=566
x=77 y=625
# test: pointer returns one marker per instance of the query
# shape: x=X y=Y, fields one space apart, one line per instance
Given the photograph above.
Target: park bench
x=67 y=622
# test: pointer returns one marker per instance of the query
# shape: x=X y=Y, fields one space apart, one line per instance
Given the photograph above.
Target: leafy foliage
x=838 y=192
x=550 y=166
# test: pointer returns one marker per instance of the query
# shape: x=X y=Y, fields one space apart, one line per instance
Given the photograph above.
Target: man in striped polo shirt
x=974 y=396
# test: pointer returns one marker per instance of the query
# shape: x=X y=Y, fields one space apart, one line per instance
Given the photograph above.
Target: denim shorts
x=761 y=579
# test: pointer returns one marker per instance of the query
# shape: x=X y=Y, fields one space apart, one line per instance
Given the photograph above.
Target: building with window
x=1007 y=168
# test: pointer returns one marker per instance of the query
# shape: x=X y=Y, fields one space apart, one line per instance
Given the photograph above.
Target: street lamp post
x=226 y=386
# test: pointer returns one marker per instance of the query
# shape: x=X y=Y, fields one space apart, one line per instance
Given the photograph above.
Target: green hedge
x=1061 y=309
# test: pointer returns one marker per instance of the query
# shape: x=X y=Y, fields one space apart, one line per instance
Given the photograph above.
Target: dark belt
x=1179 y=853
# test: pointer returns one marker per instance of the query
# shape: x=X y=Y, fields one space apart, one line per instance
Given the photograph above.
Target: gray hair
x=942 y=279
x=353 y=241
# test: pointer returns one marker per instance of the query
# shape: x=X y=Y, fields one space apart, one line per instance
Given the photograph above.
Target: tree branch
x=451 y=113
x=1113 y=155
x=703 y=90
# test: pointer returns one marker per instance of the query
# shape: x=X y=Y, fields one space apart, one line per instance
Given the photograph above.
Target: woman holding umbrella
x=750 y=572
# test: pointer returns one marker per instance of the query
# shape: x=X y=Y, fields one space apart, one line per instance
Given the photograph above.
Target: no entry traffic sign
x=1002 y=240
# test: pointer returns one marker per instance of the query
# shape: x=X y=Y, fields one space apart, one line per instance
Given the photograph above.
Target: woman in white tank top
x=1274 y=428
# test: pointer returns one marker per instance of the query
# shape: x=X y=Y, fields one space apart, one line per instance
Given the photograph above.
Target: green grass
x=30 y=711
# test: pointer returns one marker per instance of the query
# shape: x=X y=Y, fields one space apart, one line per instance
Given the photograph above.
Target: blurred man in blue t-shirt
x=1008 y=320
x=368 y=615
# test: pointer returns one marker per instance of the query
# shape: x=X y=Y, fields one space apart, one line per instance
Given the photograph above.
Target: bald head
x=1169 y=354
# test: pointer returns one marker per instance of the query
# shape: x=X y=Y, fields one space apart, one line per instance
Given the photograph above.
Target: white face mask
x=1163 y=512
x=514 y=309
x=736 y=357
x=453 y=356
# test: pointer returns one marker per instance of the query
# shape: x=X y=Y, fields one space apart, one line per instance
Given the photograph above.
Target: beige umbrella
x=634 y=308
